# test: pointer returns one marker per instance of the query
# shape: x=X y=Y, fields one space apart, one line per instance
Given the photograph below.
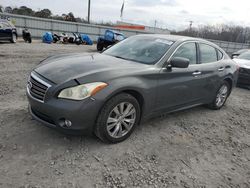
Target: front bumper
x=54 y=112
x=244 y=78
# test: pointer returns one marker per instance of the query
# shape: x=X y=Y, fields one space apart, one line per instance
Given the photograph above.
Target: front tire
x=118 y=118
x=221 y=96
x=13 y=38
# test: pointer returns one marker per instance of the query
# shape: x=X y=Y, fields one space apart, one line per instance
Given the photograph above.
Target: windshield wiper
x=137 y=61
x=120 y=57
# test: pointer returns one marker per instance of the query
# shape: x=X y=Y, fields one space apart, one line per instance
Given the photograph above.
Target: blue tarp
x=87 y=39
x=47 y=38
x=112 y=35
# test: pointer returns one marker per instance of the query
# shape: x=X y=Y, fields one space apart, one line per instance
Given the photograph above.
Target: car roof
x=174 y=37
x=180 y=39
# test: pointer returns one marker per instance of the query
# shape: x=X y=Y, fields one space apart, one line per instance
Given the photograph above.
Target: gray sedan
x=143 y=76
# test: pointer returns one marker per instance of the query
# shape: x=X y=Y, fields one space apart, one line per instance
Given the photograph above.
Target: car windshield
x=245 y=55
x=142 y=49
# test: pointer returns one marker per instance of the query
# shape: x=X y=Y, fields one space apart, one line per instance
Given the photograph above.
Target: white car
x=243 y=61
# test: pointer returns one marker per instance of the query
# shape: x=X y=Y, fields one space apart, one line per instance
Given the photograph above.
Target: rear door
x=180 y=87
x=212 y=68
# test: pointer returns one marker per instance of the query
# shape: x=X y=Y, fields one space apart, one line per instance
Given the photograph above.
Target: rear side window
x=208 y=53
x=187 y=50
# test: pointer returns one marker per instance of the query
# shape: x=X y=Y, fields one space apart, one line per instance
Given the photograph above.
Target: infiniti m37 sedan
x=109 y=93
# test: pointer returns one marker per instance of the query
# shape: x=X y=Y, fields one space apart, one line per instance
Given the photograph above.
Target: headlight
x=82 y=91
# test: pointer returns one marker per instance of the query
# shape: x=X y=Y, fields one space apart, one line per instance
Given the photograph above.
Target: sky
x=170 y=14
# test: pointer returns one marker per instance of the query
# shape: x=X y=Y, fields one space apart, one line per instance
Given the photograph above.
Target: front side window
x=187 y=50
x=141 y=49
x=208 y=53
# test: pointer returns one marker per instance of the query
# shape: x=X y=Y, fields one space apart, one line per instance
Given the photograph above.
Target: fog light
x=67 y=123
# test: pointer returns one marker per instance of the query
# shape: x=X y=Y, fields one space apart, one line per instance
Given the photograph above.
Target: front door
x=180 y=87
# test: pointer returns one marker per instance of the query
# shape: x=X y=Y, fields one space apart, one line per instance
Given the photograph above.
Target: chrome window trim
x=198 y=42
x=217 y=49
x=190 y=41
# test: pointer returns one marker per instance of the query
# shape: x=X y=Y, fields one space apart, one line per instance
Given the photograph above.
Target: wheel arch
x=135 y=93
x=230 y=82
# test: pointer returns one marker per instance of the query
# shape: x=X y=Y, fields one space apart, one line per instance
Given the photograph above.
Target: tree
x=8 y=9
x=223 y=32
x=23 y=10
x=70 y=17
x=45 y=13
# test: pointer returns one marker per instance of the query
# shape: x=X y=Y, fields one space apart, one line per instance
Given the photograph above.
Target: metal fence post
x=25 y=22
x=51 y=26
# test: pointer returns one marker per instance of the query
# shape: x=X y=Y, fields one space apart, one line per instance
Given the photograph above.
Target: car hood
x=243 y=63
x=62 y=68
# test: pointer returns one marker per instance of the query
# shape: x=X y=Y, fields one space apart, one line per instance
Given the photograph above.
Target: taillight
x=238 y=67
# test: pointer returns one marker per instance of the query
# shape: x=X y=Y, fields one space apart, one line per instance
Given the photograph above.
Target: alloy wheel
x=121 y=119
x=221 y=96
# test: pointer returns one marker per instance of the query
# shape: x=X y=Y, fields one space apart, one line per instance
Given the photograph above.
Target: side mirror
x=234 y=56
x=179 y=62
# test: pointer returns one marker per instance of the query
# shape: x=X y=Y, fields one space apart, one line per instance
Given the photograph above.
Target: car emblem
x=29 y=85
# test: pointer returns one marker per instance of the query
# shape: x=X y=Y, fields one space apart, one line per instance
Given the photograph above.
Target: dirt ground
x=193 y=148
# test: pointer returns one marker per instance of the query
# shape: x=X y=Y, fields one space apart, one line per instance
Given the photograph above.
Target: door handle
x=196 y=73
x=221 y=69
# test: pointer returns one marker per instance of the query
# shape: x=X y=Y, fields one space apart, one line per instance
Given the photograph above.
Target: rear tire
x=221 y=96
x=13 y=38
x=29 y=40
x=118 y=118
x=99 y=46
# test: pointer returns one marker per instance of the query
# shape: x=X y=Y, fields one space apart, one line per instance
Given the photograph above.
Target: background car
x=110 y=93
x=243 y=61
x=110 y=37
x=8 y=31
x=237 y=53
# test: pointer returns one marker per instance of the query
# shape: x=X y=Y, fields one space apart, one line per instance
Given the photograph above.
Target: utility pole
x=89 y=12
x=155 y=24
x=190 y=25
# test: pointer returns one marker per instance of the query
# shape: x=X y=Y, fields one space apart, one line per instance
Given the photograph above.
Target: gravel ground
x=193 y=148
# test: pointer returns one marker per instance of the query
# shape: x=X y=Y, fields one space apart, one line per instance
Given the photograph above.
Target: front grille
x=36 y=88
x=244 y=71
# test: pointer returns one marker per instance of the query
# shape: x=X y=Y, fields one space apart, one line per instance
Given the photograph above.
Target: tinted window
x=208 y=53
x=142 y=49
x=188 y=51
x=220 y=55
